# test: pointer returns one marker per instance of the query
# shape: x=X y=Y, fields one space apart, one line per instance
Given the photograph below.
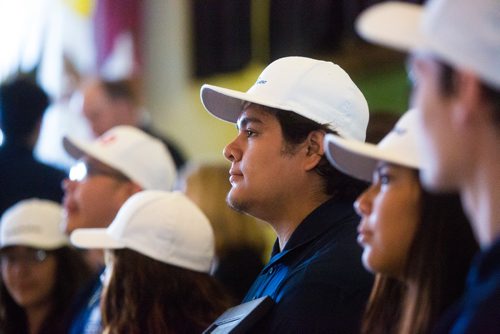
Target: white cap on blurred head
x=139 y=156
x=318 y=90
x=165 y=226
x=360 y=159
x=463 y=33
x=33 y=223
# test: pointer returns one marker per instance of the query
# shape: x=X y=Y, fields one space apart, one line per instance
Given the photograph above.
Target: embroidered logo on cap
x=107 y=139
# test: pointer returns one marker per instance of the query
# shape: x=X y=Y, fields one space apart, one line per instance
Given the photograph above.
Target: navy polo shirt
x=479 y=309
x=318 y=282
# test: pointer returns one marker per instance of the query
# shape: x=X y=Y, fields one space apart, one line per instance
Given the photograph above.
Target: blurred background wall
x=172 y=47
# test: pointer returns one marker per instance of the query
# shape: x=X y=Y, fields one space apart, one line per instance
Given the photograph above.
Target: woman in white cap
x=420 y=245
x=159 y=250
x=40 y=272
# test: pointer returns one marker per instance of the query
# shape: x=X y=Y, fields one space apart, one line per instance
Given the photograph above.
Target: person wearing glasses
x=110 y=169
x=41 y=273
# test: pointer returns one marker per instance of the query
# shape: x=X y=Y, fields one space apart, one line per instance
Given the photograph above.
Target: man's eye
x=250 y=133
x=384 y=179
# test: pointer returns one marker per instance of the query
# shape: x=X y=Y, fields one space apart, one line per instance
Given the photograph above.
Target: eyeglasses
x=28 y=256
x=84 y=169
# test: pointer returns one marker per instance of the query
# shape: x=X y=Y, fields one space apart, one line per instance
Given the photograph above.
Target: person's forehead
x=254 y=113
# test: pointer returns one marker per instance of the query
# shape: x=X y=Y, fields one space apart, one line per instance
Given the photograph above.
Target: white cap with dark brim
x=359 y=159
x=318 y=90
x=165 y=226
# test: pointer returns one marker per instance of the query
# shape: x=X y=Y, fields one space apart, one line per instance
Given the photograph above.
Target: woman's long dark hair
x=149 y=296
x=71 y=274
x=435 y=271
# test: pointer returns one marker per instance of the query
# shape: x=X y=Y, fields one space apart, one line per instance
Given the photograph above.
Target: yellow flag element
x=81 y=7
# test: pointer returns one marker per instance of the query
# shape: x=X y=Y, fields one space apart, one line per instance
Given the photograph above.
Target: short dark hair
x=22 y=104
x=295 y=130
x=447 y=85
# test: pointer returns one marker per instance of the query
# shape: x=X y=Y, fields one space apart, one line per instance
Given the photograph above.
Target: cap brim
x=354 y=158
x=94 y=238
x=227 y=104
x=392 y=24
x=74 y=147
x=78 y=148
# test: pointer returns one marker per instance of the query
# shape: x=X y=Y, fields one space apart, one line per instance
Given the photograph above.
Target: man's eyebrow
x=243 y=121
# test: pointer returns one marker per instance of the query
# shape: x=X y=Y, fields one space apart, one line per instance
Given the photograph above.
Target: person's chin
x=367 y=261
x=234 y=200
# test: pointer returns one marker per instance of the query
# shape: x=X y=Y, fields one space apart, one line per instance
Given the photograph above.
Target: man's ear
x=314 y=149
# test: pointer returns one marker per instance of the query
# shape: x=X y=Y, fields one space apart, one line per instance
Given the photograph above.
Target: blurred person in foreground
x=420 y=245
x=455 y=67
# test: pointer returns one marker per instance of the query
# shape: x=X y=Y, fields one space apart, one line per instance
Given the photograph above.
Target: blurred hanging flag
x=118 y=36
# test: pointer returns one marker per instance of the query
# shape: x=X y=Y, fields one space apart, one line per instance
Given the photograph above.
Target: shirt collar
x=316 y=223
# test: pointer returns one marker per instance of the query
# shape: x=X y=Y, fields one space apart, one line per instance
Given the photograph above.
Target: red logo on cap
x=106 y=140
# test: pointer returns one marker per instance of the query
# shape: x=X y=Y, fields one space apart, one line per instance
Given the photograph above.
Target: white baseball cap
x=463 y=33
x=360 y=159
x=33 y=223
x=165 y=226
x=139 y=156
x=317 y=90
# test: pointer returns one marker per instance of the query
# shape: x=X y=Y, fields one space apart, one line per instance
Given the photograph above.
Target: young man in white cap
x=118 y=164
x=279 y=173
x=455 y=63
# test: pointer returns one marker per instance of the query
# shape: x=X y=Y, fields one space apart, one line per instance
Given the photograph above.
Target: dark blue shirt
x=317 y=281
x=479 y=309
x=22 y=177
x=86 y=309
